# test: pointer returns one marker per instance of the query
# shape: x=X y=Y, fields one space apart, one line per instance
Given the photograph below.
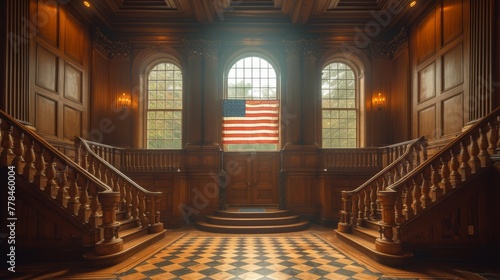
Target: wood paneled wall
x=440 y=61
x=59 y=71
x=17 y=30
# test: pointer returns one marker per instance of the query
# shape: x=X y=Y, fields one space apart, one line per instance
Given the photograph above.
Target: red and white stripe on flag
x=250 y=121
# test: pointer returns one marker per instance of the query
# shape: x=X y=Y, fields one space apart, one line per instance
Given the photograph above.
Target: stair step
x=132 y=233
x=251 y=221
x=372 y=224
x=366 y=233
x=269 y=213
x=130 y=248
x=253 y=229
x=367 y=247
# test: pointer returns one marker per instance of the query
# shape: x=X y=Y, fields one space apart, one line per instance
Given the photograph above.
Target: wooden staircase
x=80 y=209
x=435 y=208
x=251 y=219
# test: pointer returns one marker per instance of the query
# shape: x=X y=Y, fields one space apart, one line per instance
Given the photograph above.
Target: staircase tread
x=125 y=232
x=368 y=231
x=252 y=218
x=256 y=227
x=371 y=246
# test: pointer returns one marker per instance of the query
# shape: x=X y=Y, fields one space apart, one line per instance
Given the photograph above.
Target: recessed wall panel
x=72 y=126
x=427 y=122
x=427 y=83
x=47 y=21
x=426 y=37
x=453 y=118
x=72 y=83
x=73 y=43
x=46 y=69
x=453 y=73
x=452 y=17
x=46 y=115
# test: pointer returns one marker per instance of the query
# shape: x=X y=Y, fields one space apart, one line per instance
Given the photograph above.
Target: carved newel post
x=111 y=243
x=386 y=243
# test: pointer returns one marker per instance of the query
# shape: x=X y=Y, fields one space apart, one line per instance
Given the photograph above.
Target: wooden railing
x=439 y=176
x=56 y=177
x=362 y=158
x=361 y=203
x=137 y=160
x=138 y=203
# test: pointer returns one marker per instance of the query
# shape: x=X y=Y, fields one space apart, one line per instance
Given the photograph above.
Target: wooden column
x=211 y=112
x=291 y=122
x=387 y=243
x=194 y=79
x=309 y=92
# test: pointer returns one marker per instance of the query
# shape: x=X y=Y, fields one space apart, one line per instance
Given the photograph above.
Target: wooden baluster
x=85 y=160
x=142 y=210
x=455 y=177
x=50 y=174
x=389 y=178
x=62 y=193
x=78 y=146
x=399 y=218
x=112 y=181
x=135 y=204
x=417 y=194
x=435 y=191
x=425 y=198
x=409 y=160
x=367 y=206
x=72 y=204
x=386 y=243
x=445 y=173
x=7 y=144
x=408 y=210
x=484 y=155
x=94 y=206
x=121 y=188
x=474 y=161
x=84 y=197
x=18 y=161
x=39 y=177
x=29 y=157
x=493 y=138
x=345 y=225
x=156 y=225
x=373 y=198
x=465 y=169
x=361 y=206
x=97 y=168
x=397 y=176
x=104 y=174
x=152 y=212
x=128 y=200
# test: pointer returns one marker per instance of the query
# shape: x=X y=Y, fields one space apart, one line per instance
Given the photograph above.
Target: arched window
x=251 y=106
x=339 y=106
x=164 y=107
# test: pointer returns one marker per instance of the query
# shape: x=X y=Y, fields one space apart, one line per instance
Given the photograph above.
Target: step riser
x=273 y=214
x=364 y=235
x=252 y=222
x=252 y=230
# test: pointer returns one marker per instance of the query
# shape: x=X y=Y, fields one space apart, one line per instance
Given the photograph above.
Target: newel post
x=386 y=242
x=345 y=224
x=111 y=243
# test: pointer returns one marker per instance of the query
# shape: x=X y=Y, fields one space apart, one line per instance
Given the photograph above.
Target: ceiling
x=318 y=18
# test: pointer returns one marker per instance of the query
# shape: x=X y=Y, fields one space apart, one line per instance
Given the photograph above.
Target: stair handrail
x=443 y=172
x=41 y=164
x=139 y=203
x=361 y=203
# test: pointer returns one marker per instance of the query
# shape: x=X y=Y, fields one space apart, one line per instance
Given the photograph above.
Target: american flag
x=250 y=121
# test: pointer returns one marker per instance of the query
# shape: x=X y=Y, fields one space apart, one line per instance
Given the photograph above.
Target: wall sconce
x=379 y=101
x=123 y=101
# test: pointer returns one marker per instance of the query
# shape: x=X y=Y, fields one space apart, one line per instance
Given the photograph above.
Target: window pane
x=164 y=107
x=339 y=114
x=252 y=78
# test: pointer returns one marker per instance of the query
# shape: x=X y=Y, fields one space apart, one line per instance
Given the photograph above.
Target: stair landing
x=252 y=220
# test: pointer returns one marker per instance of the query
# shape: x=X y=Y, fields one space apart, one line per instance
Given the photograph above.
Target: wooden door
x=253 y=178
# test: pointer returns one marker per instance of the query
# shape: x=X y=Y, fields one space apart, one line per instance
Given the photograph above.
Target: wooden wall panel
x=439 y=76
x=73 y=38
x=400 y=97
x=48 y=21
x=46 y=115
x=453 y=68
x=73 y=83
x=46 y=69
x=426 y=37
x=427 y=83
x=60 y=87
x=427 y=122
x=72 y=125
x=452 y=115
x=452 y=20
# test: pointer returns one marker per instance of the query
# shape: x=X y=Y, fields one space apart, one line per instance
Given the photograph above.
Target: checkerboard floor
x=290 y=256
